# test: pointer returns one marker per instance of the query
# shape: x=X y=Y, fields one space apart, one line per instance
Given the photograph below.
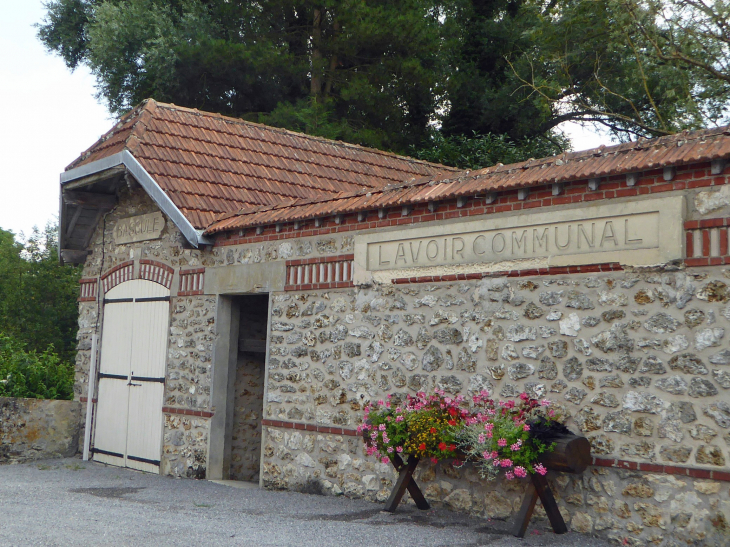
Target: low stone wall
x=34 y=429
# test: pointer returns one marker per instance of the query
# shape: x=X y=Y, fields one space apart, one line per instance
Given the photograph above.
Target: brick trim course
x=310 y=427
x=553 y=270
x=187 y=412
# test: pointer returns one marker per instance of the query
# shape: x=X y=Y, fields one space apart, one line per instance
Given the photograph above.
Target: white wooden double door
x=129 y=418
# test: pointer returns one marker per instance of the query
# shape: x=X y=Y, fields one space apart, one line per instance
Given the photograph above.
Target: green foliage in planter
x=33 y=375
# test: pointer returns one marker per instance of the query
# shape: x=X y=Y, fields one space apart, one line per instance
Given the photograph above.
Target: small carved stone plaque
x=139 y=228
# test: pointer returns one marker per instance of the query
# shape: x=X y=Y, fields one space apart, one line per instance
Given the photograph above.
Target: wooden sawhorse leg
x=405 y=481
x=539 y=487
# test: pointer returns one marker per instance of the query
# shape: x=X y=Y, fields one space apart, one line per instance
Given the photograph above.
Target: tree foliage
x=476 y=151
x=33 y=375
x=389 y=74
x=38 y=305
x=638 y=68
x=370 y=66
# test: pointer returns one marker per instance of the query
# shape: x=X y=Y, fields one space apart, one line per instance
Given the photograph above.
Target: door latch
x=130 y=383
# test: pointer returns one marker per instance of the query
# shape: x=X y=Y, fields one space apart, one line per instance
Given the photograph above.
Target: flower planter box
x=571 y=454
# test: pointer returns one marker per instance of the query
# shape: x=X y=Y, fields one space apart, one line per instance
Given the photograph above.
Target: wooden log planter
x=572 y=454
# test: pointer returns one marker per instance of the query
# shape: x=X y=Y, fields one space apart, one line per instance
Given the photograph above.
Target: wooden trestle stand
x=572 y=454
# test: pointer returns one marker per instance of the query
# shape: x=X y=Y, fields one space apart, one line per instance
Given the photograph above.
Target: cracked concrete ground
x=70 y=502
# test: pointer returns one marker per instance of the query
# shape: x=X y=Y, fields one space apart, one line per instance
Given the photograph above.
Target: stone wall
x=192 y=331
x=188 y=385
x=249 y=392
x=34 y=429
x=248 y=404
x=635 y=360
x=192 y=321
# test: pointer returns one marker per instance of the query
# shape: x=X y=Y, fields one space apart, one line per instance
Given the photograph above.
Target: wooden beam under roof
x=91 y=200
x=73 y=256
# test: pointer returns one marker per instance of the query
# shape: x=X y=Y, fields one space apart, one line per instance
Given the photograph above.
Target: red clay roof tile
x=642 y=155
x=211 y=165
x=225 y=174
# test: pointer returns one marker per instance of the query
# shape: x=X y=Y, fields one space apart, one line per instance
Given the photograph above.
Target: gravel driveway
x=70 y=502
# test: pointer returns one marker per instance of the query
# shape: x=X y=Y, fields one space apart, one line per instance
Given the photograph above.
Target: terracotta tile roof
x=211 y=165
x=633 y=157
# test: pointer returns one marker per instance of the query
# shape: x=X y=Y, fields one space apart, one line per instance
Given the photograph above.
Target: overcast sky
x=50 y=116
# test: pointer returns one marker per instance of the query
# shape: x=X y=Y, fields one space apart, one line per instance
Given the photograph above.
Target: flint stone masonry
x=634 y=359
x=630 y=398
x=36 y=429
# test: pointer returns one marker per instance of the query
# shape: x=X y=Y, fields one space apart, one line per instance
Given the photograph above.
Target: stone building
x=253 y=288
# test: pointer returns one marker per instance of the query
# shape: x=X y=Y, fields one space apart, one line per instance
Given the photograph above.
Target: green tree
x=365 y=70
x=637 y=68
x=34 y=375
x=37 y=295
x=477 y=151
x=389 y=74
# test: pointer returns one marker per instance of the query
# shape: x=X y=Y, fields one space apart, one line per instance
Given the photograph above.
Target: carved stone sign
x=139 y=228
x=639 y=233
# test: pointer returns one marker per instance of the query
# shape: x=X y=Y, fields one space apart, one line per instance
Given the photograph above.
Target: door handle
x=130 y=383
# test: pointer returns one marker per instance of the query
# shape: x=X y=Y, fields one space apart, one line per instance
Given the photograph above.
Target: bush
x=32 y=375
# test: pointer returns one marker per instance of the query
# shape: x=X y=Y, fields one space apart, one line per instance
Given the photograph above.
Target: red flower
x=452 y=447
x=422 y=446
x=452 y=422
x=453 y=411
x=434 y=430
x=442 y=446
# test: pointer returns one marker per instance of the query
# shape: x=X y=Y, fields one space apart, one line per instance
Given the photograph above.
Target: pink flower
x=502 y=442
x=399 y=449
x=551 y=413
x=540 y=468
x=482 y=438
x=488 y=426
x=525 y=427
x=487 y=455
x=374 y=435
x=380 y=402
x=399 y=418
x=496 y=462
x=515 y=447
x=524 y=396
x=509 y=475
x=489 y=435
x=385 y=459
x=520 y=472
x=390 y=450
x=545 y=402
x=494 y=454
x=381 y=427
x=506 y=463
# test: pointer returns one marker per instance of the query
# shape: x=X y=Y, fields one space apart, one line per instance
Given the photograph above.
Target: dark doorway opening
x=249 y=388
